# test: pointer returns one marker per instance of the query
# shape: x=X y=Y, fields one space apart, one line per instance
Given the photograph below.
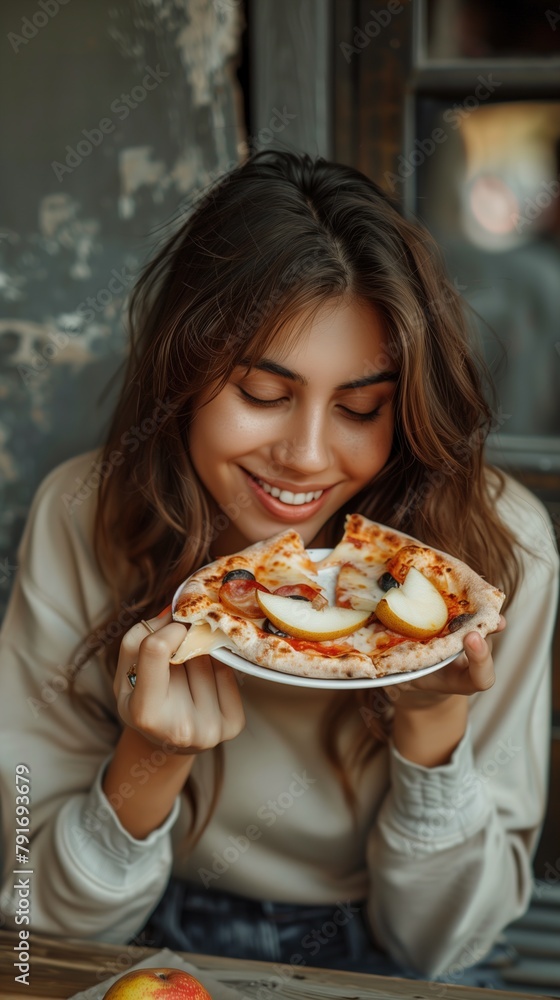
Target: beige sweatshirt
x=442 y=855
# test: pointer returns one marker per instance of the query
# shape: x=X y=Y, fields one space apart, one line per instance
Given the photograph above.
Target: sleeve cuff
x=96 y=837
x=434 y=807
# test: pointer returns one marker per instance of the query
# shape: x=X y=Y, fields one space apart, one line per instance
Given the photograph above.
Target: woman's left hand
x=472 y=671
x=431 y=713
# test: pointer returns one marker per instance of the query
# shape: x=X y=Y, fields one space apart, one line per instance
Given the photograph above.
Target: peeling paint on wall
x=116 y=113
x=137 y=168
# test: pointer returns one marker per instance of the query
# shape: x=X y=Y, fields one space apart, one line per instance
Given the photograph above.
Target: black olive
x=267 y=626
x=456 y=623
x=298 y=597
x=238 y=574
x=387 y=582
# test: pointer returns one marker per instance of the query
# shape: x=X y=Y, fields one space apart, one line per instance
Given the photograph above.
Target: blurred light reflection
x=490 y=194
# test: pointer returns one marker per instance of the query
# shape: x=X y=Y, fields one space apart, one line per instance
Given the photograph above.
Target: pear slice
x=416 y=609
x=301 y=620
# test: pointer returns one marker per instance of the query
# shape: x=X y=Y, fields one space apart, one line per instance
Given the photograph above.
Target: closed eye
x=254 y=401
x=351 y=414
x=362 y=417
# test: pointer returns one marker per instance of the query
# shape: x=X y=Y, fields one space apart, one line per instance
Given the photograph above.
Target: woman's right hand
x=191 y=707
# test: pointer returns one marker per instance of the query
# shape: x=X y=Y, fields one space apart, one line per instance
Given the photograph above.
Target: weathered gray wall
x=112 y=112
x=292 y=73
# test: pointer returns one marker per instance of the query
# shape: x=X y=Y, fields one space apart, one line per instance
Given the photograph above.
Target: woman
x=296 y=336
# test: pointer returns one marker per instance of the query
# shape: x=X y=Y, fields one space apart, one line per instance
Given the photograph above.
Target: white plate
x=326 y=579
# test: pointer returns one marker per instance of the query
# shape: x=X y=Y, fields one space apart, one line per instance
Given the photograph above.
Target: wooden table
x=60 y=968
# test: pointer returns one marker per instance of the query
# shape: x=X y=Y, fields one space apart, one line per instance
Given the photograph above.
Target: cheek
x=368 y=450
x=220 y=431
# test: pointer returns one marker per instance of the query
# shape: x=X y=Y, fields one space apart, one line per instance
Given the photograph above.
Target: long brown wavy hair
x=278 y=234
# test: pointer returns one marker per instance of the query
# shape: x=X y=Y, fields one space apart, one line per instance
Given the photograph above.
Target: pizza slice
x=221 y=603
x=379 y=603
x=375 y=564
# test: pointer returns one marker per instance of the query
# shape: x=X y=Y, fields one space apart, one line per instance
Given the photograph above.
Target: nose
x=305 y=448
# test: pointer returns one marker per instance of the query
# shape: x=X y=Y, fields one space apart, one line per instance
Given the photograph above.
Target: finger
x=501 y=624
x=211 y=724
x=130 y=645
x=152 y=665
x=154 y=624
x=202 y=684
x=481 y=664
x=132 y=641
x=454 y=678
x=229 y=695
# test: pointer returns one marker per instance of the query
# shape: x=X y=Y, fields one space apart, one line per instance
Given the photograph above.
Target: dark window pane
x=484 y=29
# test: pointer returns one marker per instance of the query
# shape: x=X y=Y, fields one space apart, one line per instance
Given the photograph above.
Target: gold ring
x=147 y=625
x=131 y=675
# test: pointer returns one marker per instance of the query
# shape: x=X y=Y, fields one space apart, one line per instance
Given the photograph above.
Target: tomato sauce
x=303 y=645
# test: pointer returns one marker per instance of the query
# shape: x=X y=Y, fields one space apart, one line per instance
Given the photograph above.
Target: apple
x=416 y=610
x=301 y=620
x=157 y=984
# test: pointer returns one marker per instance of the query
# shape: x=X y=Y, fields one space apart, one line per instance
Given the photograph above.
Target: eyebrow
x=275 y=369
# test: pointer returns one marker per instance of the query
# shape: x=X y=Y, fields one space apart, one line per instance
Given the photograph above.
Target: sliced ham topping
x=303 y=590
x=239 y=597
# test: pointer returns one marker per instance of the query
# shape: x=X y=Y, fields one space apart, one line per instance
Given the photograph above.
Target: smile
x=286 y=496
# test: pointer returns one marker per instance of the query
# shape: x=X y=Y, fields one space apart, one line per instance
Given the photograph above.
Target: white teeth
x=294 y=499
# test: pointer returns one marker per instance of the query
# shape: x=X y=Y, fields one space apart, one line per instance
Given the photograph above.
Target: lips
x=287 y=504
x=286 y=496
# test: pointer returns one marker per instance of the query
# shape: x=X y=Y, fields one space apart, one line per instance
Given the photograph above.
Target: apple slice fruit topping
x=416 y=609
x=302 y=621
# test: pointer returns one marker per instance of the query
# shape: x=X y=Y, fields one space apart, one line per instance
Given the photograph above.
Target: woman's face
x=293 y=439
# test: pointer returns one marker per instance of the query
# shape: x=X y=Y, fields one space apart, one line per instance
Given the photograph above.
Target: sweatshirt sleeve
x=450 y=856
x=88 y=876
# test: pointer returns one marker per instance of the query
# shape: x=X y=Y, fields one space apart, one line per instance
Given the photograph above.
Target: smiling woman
x=313 y=360
x=300 y=437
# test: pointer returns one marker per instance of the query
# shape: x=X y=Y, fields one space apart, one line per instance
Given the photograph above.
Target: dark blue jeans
x=336 y=936
x=221 y=923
